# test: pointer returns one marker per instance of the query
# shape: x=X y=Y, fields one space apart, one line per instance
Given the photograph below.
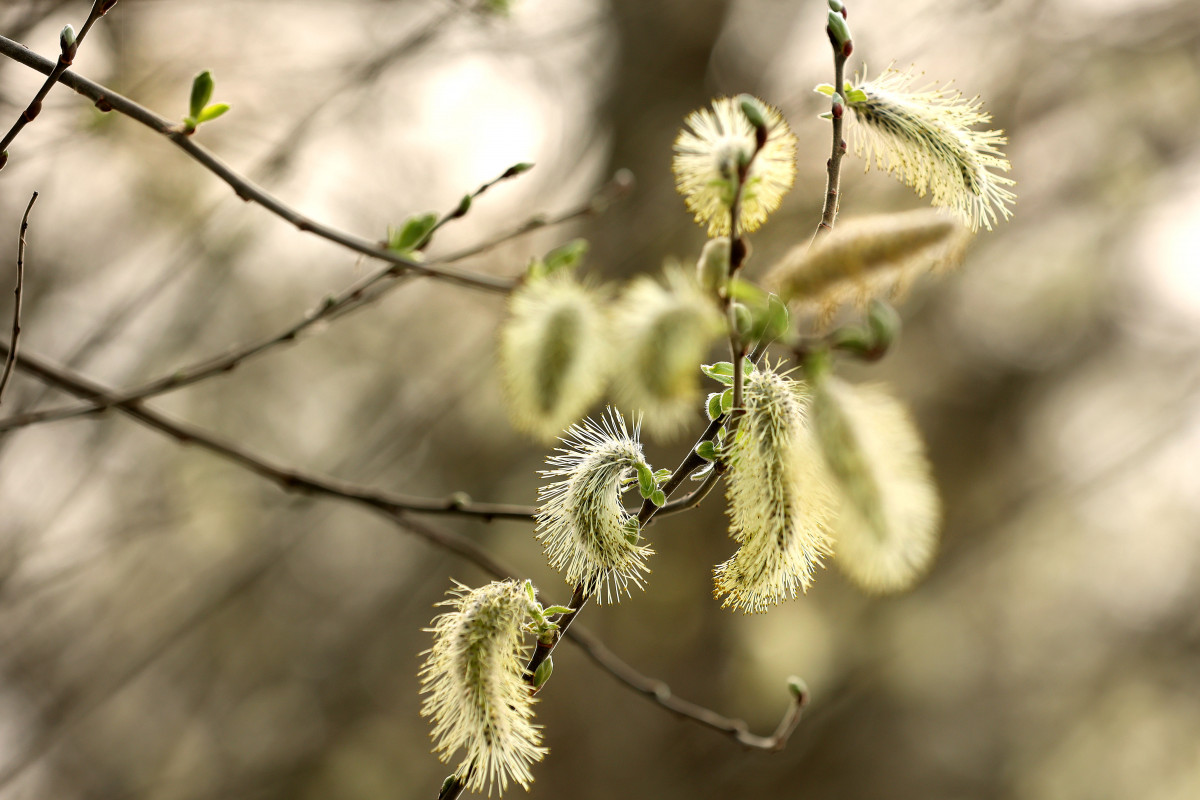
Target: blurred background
x=173 y=626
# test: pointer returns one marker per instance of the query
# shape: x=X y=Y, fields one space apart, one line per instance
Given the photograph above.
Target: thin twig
x=65 y=57
x=14 y=341
x=834 y=165
x=109 y=100
x=660 y=692
x=354 y=297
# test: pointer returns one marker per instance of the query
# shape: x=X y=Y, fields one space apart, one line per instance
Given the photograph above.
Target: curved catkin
x=886 y=533
x=474 y=687
x=926 y=138
x=779 y=502
x=581 y=523
x=663 y=334
x=707 y=153
x=867 y=257
x=553 y=354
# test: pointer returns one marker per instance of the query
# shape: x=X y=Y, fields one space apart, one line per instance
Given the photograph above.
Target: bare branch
x=14 y=341
x=107 y=99
x=69 y=44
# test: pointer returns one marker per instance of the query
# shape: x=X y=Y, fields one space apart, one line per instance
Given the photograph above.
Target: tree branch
x=68 y=48
x=106 y=99
x=14 y=342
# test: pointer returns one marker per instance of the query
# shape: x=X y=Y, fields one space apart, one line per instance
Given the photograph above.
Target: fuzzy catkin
x=664 y=332
x=886 y=533
x=583 y=527
x=926 y=138
x=554 y=354
x=474 y=687
x=779 y=502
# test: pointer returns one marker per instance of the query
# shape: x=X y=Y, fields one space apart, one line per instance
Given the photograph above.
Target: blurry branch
x=108 y=100
x=227 y=590
x=68 y=43
x=286 y=478
x=359 y=294
x=11 y=358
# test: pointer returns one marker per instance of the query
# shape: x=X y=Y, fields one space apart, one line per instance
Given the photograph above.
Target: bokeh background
x=173 y=626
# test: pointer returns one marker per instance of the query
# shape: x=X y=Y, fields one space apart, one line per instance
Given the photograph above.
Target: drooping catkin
x=886 y=532
x=867 y=257
x=583 y=528
x=780 y=505
x=926 y=137
x=554 y=354
x=663 y=333
x=474 y=687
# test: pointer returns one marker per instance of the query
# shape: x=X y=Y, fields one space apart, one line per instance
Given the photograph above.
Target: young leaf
x=714 y=405
x=706 y=450
x=565 y=256
x=658 y=498
x=415 y=229
x=211 y=112
x=646 y=483
x=202 y=89
x=722 y=371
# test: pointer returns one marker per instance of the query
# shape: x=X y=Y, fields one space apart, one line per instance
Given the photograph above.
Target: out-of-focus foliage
x=175 y=628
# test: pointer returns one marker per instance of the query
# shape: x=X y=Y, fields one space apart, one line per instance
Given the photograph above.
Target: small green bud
x=543 y=672
x=464 y=206
x=836 y=5
x=67 y=44
x=202 y=89
x=713 y=267
x=566 y=256
x=517 y=169
x=797 y=687
x=839 y=33
x=447 y=785
x=743 y=320
x=659 y=498
x=727 y=401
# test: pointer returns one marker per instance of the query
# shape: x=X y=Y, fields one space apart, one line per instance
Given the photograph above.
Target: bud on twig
x=67 y=45
x=839 y=33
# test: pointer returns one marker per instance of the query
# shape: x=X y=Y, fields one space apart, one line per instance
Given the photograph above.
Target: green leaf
x=713 y=406
x=658 y=498
x=727 y=401
x=566 y=256
x=202 y=89
x=209 y=113
x=662 y=475
x=415 y=229
x=856 y=96
x=543 y=672
x=702 y=473
x=707 y=450
x=746 y=292
x=825 y=89
x=556 y=610
x=721 y=371
x=771 y=320
x=646 y=483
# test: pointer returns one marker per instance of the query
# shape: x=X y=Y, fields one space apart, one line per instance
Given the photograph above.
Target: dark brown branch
x=14 y=341
x=65 y=57
x=660 y=693
x=107 y=99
